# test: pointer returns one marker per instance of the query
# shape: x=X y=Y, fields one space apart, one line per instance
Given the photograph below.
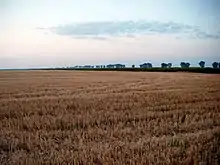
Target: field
x=92 y=117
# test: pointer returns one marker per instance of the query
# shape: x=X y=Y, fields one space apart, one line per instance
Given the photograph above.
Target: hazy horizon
x=48 y=33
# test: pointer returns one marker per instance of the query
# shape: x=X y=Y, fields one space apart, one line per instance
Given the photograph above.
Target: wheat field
x=88 y=117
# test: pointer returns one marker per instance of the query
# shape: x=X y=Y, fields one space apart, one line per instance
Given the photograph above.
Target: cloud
x=100 y=30
x=91 y=37
x=203 y=35
x=99 y=38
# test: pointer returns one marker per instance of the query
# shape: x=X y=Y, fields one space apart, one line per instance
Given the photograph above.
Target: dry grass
x=69 y=117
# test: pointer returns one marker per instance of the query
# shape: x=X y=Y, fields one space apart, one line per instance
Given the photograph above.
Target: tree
x=219 y=65
x=183 y=64
x=187 y=65
x=202 y=64
x=215 y=65
x=164 y=65
x=150 y=65
x=169 y=65
x=133 y=66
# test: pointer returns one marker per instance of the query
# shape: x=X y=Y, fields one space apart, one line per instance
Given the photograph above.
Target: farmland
x=92 y=117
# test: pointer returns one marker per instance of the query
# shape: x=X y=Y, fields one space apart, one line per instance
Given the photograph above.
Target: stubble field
x=77 y=117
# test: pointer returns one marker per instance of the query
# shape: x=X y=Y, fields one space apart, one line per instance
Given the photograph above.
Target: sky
x=60 y=33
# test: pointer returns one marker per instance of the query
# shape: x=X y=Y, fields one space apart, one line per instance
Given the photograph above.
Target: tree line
x=215 y=65
x=165 y=67
x=184 y=65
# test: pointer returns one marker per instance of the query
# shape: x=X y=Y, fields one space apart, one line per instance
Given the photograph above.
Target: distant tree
x=187 y=65
x=219 y=65
x=202 y=64
x=164 y=65
x=183 y=64
x=215 y=65
x=133 y=66
x=150 y=65
x=169 y=65
x=146 y=65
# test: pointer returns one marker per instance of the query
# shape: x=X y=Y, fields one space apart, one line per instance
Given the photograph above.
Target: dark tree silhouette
x=187 y=65
x=215 y=65
x=133 y=66
x=169 y=65
x=164 y=65
x=146 y=65
x=219 y=64
x=184 y=64
x=202 y=64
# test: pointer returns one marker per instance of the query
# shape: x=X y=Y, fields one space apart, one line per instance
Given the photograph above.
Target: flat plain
x=89 y=117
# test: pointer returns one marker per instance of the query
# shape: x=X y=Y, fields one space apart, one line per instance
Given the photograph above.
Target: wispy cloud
x=90 y=37
x=100 y=30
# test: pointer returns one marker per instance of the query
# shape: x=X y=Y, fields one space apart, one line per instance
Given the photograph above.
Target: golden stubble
x=70 y=117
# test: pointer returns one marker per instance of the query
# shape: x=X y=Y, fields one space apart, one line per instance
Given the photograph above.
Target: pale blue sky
x=37 y=33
